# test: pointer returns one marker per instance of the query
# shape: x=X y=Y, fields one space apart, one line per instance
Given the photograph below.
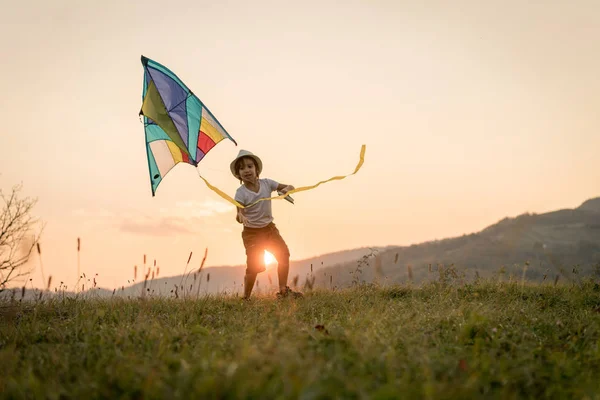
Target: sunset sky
x=471 y=111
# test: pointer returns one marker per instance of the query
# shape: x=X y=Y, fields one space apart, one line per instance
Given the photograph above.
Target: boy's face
x=247 y=170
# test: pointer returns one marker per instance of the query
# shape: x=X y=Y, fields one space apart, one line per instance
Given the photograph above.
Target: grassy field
x=484 y=340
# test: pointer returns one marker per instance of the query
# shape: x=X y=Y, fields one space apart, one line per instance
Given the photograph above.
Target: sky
x=470 y=112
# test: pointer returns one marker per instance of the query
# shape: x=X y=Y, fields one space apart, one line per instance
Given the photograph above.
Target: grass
x=480 y=340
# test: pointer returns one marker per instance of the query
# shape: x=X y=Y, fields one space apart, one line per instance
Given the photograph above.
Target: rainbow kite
x=178 y=126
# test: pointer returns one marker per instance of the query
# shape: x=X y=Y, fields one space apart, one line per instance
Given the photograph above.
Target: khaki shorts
x=257 y=240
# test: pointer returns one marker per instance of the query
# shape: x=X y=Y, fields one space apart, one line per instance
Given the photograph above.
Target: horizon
x=470 y=113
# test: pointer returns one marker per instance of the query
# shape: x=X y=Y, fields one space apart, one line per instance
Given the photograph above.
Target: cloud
x=89 y=213
x=156 y=226
x=198 y=209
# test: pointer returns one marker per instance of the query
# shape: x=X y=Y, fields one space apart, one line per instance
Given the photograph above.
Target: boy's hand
x=287 y=189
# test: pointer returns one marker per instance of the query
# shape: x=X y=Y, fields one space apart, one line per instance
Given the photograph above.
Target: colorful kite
x=179 y=127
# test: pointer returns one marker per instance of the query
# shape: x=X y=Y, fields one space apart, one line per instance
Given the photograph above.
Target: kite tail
x=221 y=193
x=282 y=196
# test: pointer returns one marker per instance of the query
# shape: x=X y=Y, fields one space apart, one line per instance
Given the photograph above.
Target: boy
x=260 y=233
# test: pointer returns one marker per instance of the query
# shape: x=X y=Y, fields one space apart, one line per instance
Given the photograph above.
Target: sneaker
x=289 y=293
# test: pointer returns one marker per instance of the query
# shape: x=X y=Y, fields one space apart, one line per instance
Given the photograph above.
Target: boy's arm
x=240 y=217
x=239 y=214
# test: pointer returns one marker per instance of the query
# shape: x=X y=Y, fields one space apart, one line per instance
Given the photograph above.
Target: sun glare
x=269 y=258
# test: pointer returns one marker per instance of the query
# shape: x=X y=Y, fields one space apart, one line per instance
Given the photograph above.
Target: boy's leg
x=281 y=252
x=254 y=259
x=249 y=280
x=283 y=269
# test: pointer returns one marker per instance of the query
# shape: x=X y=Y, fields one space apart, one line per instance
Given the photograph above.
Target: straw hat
x=245 y=153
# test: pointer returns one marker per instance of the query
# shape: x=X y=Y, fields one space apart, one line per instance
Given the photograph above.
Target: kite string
x=225 y=196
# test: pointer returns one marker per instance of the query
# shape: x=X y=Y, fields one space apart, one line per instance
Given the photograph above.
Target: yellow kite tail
x=300 y=189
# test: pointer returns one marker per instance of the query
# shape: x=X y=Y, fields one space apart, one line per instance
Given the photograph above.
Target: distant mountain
x=564 y=243
x=591 y=205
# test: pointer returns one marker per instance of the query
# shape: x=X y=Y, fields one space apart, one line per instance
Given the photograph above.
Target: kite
x=179 y=128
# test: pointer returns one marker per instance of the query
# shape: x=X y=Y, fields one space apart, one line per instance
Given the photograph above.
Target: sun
x=269 y=258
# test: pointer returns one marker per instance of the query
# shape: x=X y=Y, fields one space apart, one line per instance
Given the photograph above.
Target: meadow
x=484 y=339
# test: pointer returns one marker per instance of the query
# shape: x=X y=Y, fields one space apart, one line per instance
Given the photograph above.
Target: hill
x=564 y=243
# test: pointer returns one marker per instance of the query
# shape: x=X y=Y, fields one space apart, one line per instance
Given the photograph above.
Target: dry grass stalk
x=39 y=251
x=200 y=271
x=309 y=282
x=378 y=268
x=185 y=269
x=145 y=283
x=78 y=259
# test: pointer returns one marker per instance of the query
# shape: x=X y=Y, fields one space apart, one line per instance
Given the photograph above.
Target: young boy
x=260 y=233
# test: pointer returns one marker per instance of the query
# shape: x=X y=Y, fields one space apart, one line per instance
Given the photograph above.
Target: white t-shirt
x=259 y=215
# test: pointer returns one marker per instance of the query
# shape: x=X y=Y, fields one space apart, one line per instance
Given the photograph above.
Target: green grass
x=486 y=340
